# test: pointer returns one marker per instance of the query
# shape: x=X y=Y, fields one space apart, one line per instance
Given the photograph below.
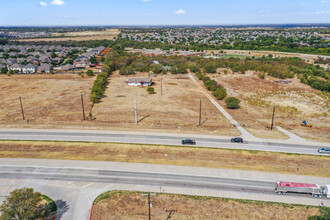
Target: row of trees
x=100 y=84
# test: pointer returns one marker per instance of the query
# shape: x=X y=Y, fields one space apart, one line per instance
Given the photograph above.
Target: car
x=189 y=141
x=237 y=140
x=324 y=150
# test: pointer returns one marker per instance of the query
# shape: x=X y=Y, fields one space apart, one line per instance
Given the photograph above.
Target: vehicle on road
x=315 y=190
x=237 y=140
x=324 y=150
x=189 y=141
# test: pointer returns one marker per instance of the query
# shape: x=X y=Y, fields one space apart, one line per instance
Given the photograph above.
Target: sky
x=161 y=12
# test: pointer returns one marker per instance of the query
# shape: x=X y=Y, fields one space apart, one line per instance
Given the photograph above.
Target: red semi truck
x=315 y=190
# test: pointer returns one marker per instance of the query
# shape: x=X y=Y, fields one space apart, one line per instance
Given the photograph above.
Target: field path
x=245 y=134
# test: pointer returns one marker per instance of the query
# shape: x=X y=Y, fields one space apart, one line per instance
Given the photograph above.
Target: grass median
x=170 y=155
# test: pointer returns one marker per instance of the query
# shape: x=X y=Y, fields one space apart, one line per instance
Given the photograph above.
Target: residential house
x=67 y=67
x=140 y=82
x=16 y=67
x=45 y=68
x=29 y=68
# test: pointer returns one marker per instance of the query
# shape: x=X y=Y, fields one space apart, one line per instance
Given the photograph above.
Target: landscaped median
x=299 y=164
x=134 y=205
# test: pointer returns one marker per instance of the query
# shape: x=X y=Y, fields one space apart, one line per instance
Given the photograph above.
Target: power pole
x=161 y=87
x=149 y=202
x=136 y=121
x=271 y=127
x=200 y=113
x=82 y=104
x=20 y=100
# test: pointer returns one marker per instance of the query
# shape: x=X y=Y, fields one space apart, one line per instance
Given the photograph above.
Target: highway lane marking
x=87 y=185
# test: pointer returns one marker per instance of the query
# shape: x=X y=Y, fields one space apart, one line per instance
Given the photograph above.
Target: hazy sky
x=162 y=12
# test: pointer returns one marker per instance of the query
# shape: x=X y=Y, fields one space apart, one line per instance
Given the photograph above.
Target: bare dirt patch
x=132 y=205
x=177 y=110
x=170 y=155
x=46 y=98
x=294 y=102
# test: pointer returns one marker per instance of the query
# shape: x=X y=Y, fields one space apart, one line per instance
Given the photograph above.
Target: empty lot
x=177 y=110
x=132 y=205
x=47 y=99
x=294 y=102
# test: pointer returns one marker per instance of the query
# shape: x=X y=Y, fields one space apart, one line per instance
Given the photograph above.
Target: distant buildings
x=158 y=52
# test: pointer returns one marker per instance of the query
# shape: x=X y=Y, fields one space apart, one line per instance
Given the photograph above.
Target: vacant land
x=47 y=99
x=110 y=34
x=132 y=205
x=294 y=102
x=176 y=110
x=170 y=155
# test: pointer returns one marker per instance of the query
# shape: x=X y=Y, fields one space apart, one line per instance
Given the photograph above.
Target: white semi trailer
x=315 y=190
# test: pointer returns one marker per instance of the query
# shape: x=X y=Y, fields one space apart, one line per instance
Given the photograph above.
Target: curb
x=90 y=217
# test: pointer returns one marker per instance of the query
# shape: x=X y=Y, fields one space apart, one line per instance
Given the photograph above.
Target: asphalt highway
x=138 y=138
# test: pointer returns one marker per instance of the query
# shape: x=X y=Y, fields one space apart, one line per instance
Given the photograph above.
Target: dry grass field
x=177 y=110
x=121 y=205
x=170 y=155
x=47 y=99
x=294 y=102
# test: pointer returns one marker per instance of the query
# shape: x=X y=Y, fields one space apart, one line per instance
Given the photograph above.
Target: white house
x=16 y=66
x=140 y=82
x=29 y=68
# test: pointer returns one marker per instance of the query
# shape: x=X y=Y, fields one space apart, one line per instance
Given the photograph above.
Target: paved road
x=152 y=138
x=75 y=184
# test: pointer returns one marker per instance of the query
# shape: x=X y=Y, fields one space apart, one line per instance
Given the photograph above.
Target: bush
x=232 y=103
x=150 y=90
x=210 y=68
x=90 y=73
x=220 y=93
x=99 y=86
x=126 y=71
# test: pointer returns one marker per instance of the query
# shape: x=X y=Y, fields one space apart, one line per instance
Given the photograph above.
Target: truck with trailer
x=315 y=190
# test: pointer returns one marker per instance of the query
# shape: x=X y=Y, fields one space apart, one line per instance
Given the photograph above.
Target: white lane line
x=86 y=185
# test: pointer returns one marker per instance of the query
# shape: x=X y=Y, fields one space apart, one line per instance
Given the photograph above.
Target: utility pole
x=149 y=202
x=271 y=127
x=20 y=100
x=82 y=104
x=161 y=87
x=200 y=113
x=136 y=121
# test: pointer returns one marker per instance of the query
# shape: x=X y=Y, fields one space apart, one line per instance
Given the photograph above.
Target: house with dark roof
x=45 y=68
x=29 y=68
x=16 y=67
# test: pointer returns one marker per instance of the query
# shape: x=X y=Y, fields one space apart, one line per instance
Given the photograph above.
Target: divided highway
x=150 y=138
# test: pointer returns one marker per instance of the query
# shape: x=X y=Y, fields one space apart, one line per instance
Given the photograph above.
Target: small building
x=140 y=82
x=45 y=68
x=29 y=68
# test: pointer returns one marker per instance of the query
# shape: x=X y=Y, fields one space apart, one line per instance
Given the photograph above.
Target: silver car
x=324 y=150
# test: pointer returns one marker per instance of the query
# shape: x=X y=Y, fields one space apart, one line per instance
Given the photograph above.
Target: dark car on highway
x=237 y=140
x=188 y=141
x=324 y=150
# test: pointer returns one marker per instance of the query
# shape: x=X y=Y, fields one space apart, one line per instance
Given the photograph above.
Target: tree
x=232 y=103
x=53 y=55
x=21 y=204
x=90 y=73
x=126 y=71
x=157 y=68
x=4 y=70
x=325 y=214
x=210 y=68
x=102 y=59
x=93 y=60
x=220 y=93
x=150 y=90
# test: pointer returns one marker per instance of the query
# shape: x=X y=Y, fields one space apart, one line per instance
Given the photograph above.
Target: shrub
x=232 y=103
x=210 y=68
x=220 y=93
x=150 y=90
x=90 y=73
x=126 y=71
x=99 y=86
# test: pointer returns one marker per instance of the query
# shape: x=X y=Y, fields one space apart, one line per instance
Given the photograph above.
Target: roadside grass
x=194 y=207
x=312 y=165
